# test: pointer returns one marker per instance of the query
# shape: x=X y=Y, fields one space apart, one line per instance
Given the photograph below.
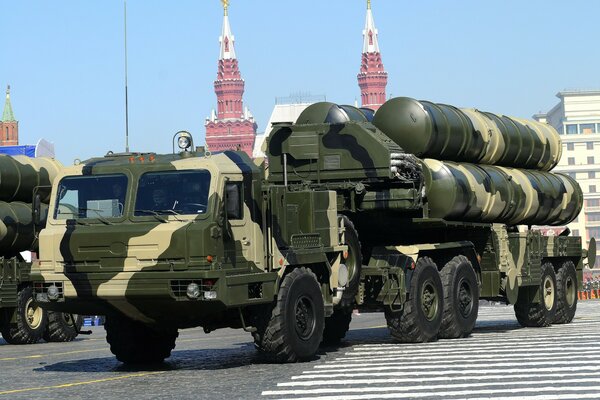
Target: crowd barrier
x=588 y=294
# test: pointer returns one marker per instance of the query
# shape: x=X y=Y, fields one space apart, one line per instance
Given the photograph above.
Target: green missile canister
x=19 y=175
x=446 y=132
x=17 y=232
x=486 y=193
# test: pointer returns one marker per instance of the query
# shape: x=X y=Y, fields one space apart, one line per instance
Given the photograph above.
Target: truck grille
x=306 y=241
x=179 y=287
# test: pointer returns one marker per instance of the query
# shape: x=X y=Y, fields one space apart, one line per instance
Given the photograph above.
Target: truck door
x=241 y=248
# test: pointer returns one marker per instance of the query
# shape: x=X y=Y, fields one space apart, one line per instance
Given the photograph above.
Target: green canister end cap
x=405 y=121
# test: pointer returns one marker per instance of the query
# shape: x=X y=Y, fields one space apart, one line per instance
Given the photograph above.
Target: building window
x=571 y=129
x=590 y=159
x=593 y=232
x=7 y=133
x=570 y=146
x=571 y=160
x=593 y=217
x=589 y=145
x=592 y=175
x=593 y=202
x=592 y=188
x=575 y=232
x=587 y=128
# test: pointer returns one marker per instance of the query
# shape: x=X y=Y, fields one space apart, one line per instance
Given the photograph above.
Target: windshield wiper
x=100 y=217
x=153 y=213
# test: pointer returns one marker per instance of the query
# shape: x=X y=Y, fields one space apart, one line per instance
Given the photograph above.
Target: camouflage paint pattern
x=140 y=266
x=19 y=175
x=445 y=132
x=486 y=193
x=17 y=232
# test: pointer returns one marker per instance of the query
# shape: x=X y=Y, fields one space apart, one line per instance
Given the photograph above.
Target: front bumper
x=153 y=294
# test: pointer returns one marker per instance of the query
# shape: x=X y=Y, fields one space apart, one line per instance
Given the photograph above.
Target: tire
x=542 y=313
x=461 y=298
x=353 y=263
x=62 y=327
x=31 y=320
x=295 y=329
x=135 y=343
x=420 y=320
x=336 y=327
x=566 y=293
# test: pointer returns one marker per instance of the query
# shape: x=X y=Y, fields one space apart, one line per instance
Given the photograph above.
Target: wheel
x=421 y=317
x=542 y=313
x=135 y=343
x=30 y=320
x=295 y=328
x=461 y=298
x=336 y=326
x=353 y=262
x=566 y=293
x=62 y=327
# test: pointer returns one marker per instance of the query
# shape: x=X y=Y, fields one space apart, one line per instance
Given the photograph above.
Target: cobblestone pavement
x=501 y=359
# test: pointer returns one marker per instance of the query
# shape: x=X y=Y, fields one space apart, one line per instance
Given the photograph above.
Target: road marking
x=399 y=389
x=67 y=385
x=496 y=361
x=50 y=354
x=303 y=380
x=550 y=389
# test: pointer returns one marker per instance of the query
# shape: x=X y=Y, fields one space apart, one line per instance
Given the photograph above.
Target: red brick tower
x=9 y=126
x=232 y=126
x=372 y=78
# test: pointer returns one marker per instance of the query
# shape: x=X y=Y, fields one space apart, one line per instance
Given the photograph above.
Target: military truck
x=22 y=321
x=338 y=216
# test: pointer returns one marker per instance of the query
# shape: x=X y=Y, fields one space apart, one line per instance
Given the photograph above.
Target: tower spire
x=7 y=115
x=226 y=39
x=372 y=78
x=232 y=126
x=225 y=6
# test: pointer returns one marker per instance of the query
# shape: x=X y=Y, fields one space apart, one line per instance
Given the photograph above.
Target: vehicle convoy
x=22 y=321
x=345 y=215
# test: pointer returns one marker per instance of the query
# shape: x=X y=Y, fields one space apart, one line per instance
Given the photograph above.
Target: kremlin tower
x=372 y=78
x=231 y=126
x=9 y=126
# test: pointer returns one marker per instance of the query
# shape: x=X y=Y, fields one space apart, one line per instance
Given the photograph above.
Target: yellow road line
x=49 y=354
x=67 y=385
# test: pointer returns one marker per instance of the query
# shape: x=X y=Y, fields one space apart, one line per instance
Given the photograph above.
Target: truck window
x=172 y=192
x=97 y=196
x=234 y=200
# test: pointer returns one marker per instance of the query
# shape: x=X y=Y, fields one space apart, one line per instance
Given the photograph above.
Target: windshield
x=97 y=196
x=172 y=193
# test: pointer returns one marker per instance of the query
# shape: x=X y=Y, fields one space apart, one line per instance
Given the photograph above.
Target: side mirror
x=36 y=210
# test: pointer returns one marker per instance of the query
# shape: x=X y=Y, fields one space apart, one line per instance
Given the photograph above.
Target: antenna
x=126 y=99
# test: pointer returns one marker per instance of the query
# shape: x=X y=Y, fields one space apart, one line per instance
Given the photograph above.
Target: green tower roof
x=7 y=115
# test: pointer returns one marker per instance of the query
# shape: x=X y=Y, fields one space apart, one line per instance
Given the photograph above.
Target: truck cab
x=164 y=242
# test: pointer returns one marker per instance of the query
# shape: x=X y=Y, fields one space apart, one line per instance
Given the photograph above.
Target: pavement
x=500 y=360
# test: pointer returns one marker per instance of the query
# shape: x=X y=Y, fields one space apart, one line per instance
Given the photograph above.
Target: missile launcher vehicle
x=343 y=214
x=22 y=321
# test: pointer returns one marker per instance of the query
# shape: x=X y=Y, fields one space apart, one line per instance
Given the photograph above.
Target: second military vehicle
x=342 y=217
x=22 y=321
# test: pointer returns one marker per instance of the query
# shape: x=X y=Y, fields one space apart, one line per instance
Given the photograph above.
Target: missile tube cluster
x=495 y=167
x=19 y=175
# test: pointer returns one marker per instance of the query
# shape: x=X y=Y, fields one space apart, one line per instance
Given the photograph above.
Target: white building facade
x=577 y=119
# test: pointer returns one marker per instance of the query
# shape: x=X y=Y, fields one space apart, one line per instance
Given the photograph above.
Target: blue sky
x=64 y=60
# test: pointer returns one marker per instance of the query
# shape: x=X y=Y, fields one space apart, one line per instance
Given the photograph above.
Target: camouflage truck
x=22 y=321
x=340 y=216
